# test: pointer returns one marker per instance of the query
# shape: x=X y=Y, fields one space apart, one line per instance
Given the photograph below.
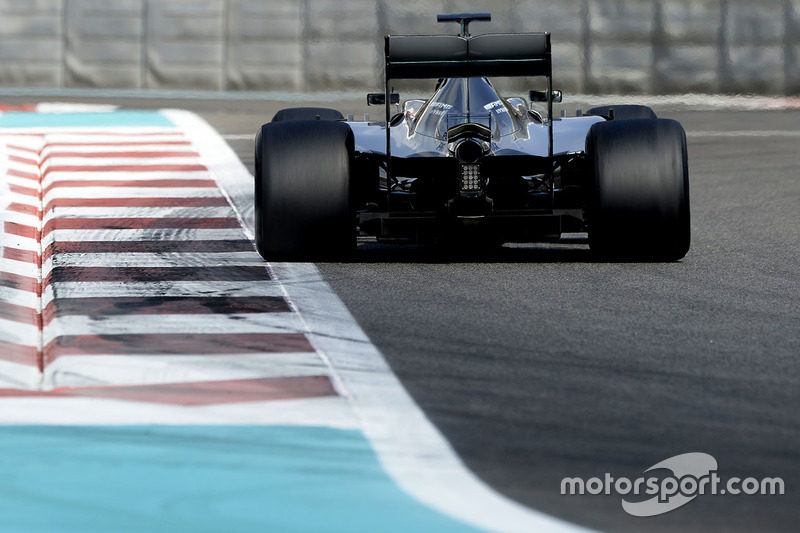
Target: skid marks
x=126 y=276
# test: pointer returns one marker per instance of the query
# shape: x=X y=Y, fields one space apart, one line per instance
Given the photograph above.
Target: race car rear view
x=471 y=165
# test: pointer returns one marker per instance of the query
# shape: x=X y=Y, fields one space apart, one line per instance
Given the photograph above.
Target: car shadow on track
x=566 y=250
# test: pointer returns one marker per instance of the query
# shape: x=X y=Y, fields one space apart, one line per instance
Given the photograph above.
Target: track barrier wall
x=600 y=46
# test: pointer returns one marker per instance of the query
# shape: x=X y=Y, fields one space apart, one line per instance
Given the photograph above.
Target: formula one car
x=467 y=162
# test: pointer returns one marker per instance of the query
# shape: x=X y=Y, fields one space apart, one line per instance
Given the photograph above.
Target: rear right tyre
x=622 y=112
x=639 y=202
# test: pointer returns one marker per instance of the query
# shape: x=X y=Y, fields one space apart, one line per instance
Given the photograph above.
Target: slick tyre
x=639 y=202
x=622 y=112
x=307 y=113
x=302 y=190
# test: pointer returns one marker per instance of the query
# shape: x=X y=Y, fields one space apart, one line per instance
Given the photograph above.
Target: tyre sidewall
x=304 y=189
x=639 y=204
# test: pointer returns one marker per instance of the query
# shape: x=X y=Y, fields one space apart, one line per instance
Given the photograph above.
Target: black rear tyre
x=307 y=113
x=302 y=190
x=639 y=207
x=623 y=112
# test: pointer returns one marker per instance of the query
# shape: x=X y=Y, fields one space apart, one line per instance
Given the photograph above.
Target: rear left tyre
x=303 y=206
x=307 y=113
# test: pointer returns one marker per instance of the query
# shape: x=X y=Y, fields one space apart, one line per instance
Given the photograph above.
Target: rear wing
x=464 y=56
x=453 y=56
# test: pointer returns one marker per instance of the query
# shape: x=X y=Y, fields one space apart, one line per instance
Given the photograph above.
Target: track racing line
x=157 y=375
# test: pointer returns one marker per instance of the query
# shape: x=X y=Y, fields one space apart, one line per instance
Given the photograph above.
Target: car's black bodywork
x=467 y=161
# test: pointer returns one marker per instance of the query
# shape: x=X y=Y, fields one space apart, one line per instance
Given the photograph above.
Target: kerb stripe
x=154 y=305
x=123 y=247
x=122 y=274
x=121 y=154
x=176 y=344
x=177 y=183
x=200 y=201
x=19 y=353
x=124 y=168
x=21 y=283
x=199 y=393
x=139 y=223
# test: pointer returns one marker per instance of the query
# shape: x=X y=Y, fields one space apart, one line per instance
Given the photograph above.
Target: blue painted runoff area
x=124 y=118
x=201 y=479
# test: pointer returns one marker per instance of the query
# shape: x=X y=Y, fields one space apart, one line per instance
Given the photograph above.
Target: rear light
x=471 y=178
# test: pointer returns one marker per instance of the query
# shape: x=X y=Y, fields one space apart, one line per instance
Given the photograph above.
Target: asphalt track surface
x=538 y=363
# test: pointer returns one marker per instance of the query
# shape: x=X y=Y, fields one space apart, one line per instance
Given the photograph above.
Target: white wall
x=664 y=46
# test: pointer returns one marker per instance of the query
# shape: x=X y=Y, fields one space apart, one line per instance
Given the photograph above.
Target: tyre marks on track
x=110 y=223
